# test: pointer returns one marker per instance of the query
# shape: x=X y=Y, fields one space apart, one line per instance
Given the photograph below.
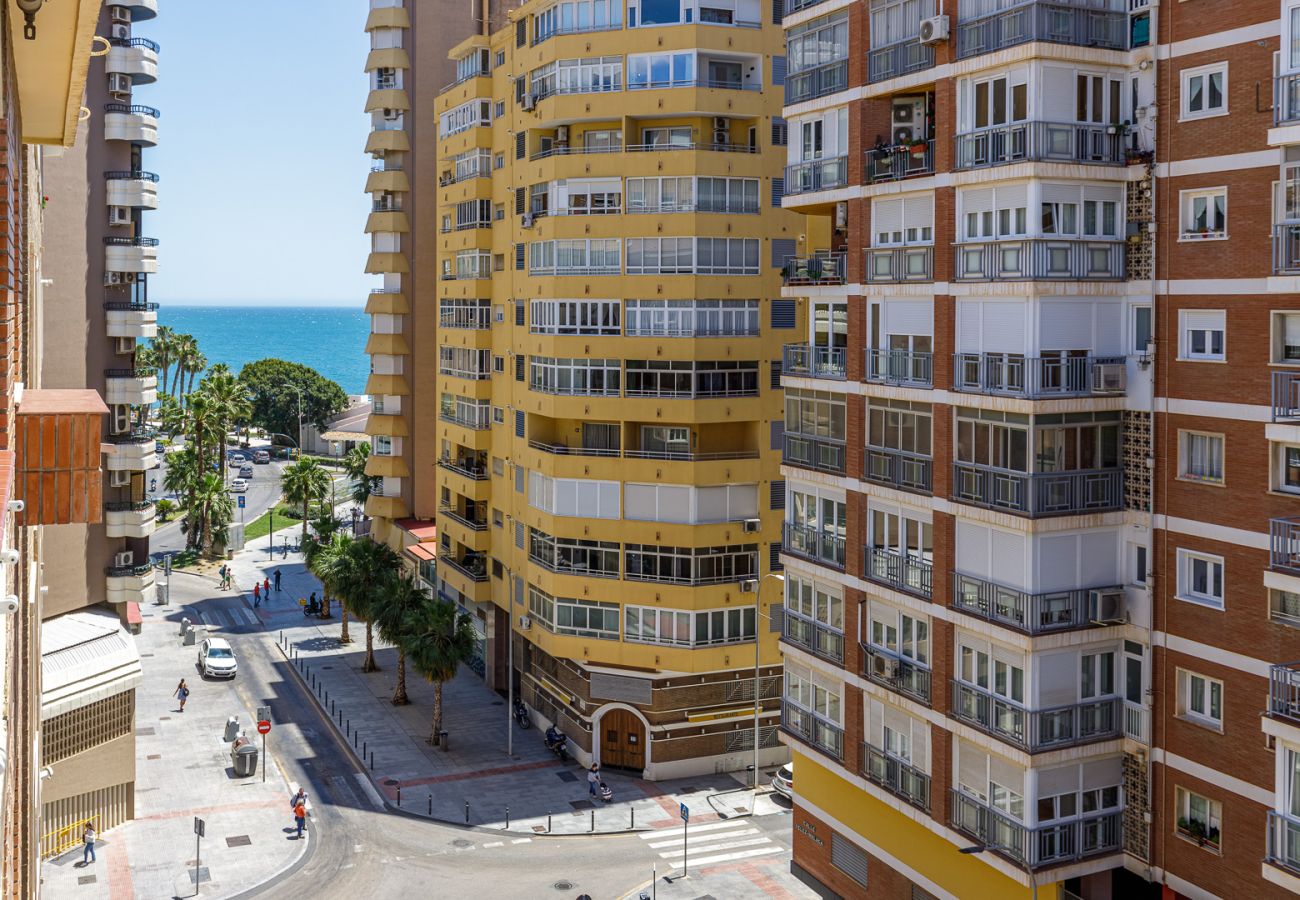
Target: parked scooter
x=521 y=714
x=312 y=609
x=557 y=743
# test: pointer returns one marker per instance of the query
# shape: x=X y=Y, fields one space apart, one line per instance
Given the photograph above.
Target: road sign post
x=686 y=822
x=198 y=837
x=264 y=728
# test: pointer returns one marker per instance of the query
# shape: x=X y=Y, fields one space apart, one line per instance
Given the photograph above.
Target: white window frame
x=1278 y=464
x=1187 y=560
x=1185 y=351
x=1213 y=812
x=1186 y=441
x=1185 y=77
x=1277 y=334
x=1196 y=690
x=1186 y=202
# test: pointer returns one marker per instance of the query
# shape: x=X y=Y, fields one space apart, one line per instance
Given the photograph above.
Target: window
x=893 y=21
x=1138 y=556
x=661 y=70
x=465 y=116
x=1200 y=457
x=819 y=414
x=591 y=377
x=1200 y=699
x=1284 y=608
x=580 y=497
x=690 y=504
x=903 y=635
x=691 y=378
x=1205 y=91
x=575 y=316
x=572 y=556
x=689 y=629
x=589 y=76
x=1200 y=578
x=1286 y=335
x=691 y=565
x=1205 y=214
x=1202 y=333
x=806 y=693
x=573 y=17
x=692 y=318
x=602 y=141
x=1199 y=818
x=586 y=618
x=1142 y=329
x=574 y=257
x=464 y=362
x=498 y=418
x=814 y=602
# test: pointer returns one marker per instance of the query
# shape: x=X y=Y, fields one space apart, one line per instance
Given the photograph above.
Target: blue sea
x=331 y=340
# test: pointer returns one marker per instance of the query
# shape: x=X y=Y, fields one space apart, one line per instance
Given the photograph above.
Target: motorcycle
x=312 y=609
x=559 y=746
x=521 y=715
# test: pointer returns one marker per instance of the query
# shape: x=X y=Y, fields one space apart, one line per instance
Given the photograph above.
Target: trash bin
x=243 y=756
x=232 y=729
x=190 y=636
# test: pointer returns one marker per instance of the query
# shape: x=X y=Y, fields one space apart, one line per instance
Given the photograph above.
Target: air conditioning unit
x=124 y=346
x=120 y=32
x=934 y=30
x=119 y=14
x=752 y=526
x=720 y=123
x=121 y=422
x=1108 y=378
x=124 y=559
x=885 y=667
x=119 y=83
x=562 y=135
x=119 y=215
x=721 y=137
x=526 y=220
x=1107 y=607
x=112 y=278
x=119 y=479
x=525 y=623
x=391 y=115
x=749 y=586
x=528 y=102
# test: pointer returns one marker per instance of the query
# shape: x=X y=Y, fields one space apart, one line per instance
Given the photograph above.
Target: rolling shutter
x=521 y=146
x=775 y=382
x=909 y=317
x=849 y=858
x=519 y=423
x=1003 y=327
x=1066 y=326
x=519 y=305
x=776 y=493
x=783 y=313
x=519 y=367
x=782 y=249
x=778 y=191
x=777 y=433
x=519 y=262
x=780 y=132
x=778 y=11
x=774 y=563
x=519 y=535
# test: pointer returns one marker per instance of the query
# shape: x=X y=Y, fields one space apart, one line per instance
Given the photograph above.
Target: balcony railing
x=690 y=145
x=1028 y=613
x=131 y=175
x=1039 y=729
x=1284 y=544
x=895 y=672
x=131 y=241
x=901 y=58
x=820 y=268
x=1082 y=23
x=1038 y=493
x=1046 y=845
x=1283 y=842
x=1286 y=99
x=472 y=567
x=1286 y=396
x=813 y=544
x=136 y=42
x=1286 y=249
x=901 y=571
x=813 y=636
x=690 y=455
x=811 y=83
x=136 y=571
x=474 y=423
x=712 y=83
x=1037 y=377
x=898 y=468
x=1039 y=259
x=812 y=361
x=130 y=306
x=132 y=109
x=466 y=521
x=902 y=780
x=1284 y=691
x=471 y=470
x=812 y=729
x=906 y=368
x=900 y=161
x=816 y=175
x=819 y=454
x=477 y=318
x=565 y=450
x=897 y=265
x=1040 y=142
x=129 y=373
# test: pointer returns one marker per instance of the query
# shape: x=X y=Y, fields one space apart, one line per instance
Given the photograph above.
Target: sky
x=260 y=152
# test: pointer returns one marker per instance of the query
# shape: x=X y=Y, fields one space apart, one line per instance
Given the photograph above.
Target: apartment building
x=603 y=464
x=50 y=452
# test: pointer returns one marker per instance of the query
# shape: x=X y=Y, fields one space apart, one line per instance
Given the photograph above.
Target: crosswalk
x=232 y=617
x=710 y=843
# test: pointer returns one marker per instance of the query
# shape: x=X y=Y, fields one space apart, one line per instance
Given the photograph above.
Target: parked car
x=239 y=485
x=246 y=470
x=783 y=781
x=261 y=457
x=217 y=659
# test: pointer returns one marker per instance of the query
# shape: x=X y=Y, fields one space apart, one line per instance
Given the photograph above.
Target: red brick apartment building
x=1042 y=538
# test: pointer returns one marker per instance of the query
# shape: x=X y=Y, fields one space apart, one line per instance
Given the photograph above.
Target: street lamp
x=758 y=701
x=980 y=848
x=298 y=390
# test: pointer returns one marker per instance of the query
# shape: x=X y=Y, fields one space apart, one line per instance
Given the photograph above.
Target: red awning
x=420 y=551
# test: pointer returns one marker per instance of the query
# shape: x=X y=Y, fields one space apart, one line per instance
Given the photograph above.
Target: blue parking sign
x=241 y=502
x=686 y=813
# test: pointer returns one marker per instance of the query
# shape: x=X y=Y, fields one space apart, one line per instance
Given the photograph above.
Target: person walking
x=593 y=780
x=300 y=797
x=266 y=589
x=88 y=844
x=277 y=581
x=182 y=693
x=224 y=574
x=300 y=815
x=257 y=594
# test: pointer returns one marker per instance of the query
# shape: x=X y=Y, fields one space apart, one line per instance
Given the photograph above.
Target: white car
x=239 y=485
x=783 y=781
x=236 y=462
x=217 y=659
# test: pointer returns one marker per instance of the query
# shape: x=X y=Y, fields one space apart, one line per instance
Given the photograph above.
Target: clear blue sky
x=261 y=151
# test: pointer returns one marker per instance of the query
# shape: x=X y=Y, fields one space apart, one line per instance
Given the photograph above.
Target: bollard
x=632 y=810
x=548 y=823
x=507 y=818
x=466 y=812
x=431 y=804
x=347 y=731
x=372 y=762
x=593 y=821
x=399 y=796
x=363 y=750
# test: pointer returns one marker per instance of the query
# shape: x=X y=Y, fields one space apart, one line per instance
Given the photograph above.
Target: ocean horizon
x=330 y=339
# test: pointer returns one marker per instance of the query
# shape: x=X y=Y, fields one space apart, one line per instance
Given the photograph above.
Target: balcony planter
x=1195 y=831
x=918 y=149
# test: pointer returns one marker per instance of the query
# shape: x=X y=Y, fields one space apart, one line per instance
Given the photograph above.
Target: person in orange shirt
x=300 y=816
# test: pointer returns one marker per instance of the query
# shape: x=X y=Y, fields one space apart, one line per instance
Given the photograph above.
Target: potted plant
x=918 y=146
x=814 y=267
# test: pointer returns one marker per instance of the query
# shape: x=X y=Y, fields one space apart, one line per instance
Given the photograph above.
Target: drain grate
x=239 y=840
x=86 y=879
x=462 y=843
x=566 y=776
x=154 y=756
x=563 y=885
x=164 y=718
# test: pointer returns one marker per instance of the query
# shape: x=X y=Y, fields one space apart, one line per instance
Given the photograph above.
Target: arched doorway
x=622 y=740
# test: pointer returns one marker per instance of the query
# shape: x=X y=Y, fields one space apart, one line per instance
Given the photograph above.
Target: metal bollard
x=507 y=818
x=466 y=812
x=593 y=821
x=347 y=731
x=632 y=810
x=363 y=750
x=548 y=823
x=399 y=796
x=431 y=804
x=372 y=762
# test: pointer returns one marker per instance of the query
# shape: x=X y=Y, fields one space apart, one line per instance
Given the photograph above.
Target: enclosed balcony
x=129 y=318
x=898 y=59
x=129 y=519
x=899 y=161
x=134 y=387
x=1038 y=377
x=904 y=368
x=131 y=122
x=1033 y=730
x=131 y=452
x=809 y=728
x=1286 y=396
x=1283 y=842
x=899 y=778
x=899 y=469
x=1284 y=691
x=815 y=637
x=130 y=582
x=135 y=56
x=1286 y=99
x=813 y=361
x=907 y=572
x=1038 y=613
x=1286 y=248
x=1062 y=142
x=809 y=84
x=816 y=175
x=816 y=453
x=898 y=265
x=1039 y=259
x=131 y=254
x=133 y=188
x=988 y=25
x=817 y=545
x=819 y=269
x=1039 y=493
x=895 y=672
x=1046 y=845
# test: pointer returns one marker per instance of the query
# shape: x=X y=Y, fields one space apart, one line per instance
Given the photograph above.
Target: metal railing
x=899 y=468
x=1042 y=846
x=809 y=84
x=906 y=368
x=1082 y=23
x=820 y=268
x=60 y=840
x=130 y=306
x=1137 y=723
x=142 y=436
x=1037 y=377
x=575 y=29
x=819 y=454
x=812 y=729
x=132 y=109
x=1036 y=141
x=475 y=318
x=565 y=450
x=135 y=42
x=710 y=83
x=812 y=361
x=472 y=471
x=900 y=161
x=813 y=636
x=128 y=505
x=895 y=672
x=901 y=571
x=129 y=571
x=1037 y=729
x=1038 y=493
x=690 y=456
x=1284 y=690
x=1283 y=842
x=1035 y=259
x=813 y=543
x=816 y=175
x=473 y=567
x=478 y=423
x=471 y=524
x=899 y=778
x=1286 y=99
x=691 y=145
x=901 y=58
x=1286 y=248
x=130 y=175
x=1041 y=613
x=129 y=373
x=896 y=265
x=131 y=241
x=1286 y=396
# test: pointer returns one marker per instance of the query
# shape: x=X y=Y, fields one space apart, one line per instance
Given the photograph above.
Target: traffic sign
x=686 y=813
x=241 y=501
x=198 y=826
x=263 y=727
x=264 y=712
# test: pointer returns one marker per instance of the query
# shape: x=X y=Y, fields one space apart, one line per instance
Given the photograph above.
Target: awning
x=344 y=436
x=85 y=656
x=419 y=551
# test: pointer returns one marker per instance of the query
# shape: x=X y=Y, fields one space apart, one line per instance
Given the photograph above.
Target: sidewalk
x=183 y=770
x=475 y=782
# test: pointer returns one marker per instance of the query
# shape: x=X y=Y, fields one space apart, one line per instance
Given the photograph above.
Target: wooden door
x=622 y=743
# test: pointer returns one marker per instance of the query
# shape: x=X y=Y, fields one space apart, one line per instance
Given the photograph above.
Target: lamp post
x=758 y=700
x=298 y=390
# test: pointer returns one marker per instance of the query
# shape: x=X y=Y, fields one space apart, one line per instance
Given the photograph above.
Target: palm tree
x=184 y=346
x=399 y=604
x=303 y=482
x=438 y=641
x=318 y=554
x=368 y=565
x=230 y=402
x=145 y=358
x=195 y=364
x=170 y=415
x=210 y=513
x=182 y=474
x=164 y=345
x=202 y=423
x=354 y=464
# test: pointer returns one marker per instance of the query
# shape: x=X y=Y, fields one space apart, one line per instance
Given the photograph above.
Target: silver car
x=783 y=781
x=217 y=659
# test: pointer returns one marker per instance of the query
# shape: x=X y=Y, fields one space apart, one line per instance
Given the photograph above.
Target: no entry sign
x=263 y=727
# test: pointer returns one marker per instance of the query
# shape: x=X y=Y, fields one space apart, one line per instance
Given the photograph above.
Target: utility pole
x=510 y=668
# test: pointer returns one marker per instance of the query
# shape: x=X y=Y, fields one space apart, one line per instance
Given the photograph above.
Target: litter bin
x=243 y=755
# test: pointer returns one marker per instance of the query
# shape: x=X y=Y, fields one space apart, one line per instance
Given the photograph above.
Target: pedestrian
x=300 y=816
x=88 y=844
x=257 y=594
x=300 y=797
x=277 y=581
x=593 y=780
x=182 y=693
x=221 y=584
x=266 y=588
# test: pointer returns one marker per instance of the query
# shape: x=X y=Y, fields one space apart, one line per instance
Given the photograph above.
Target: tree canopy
x=271 y=385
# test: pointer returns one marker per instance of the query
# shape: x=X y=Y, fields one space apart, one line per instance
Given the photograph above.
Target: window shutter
x=778 y=192
x=849 y=858
x=520 y=86
x=780 y=131
x=519 y=423
x=778 y=431
x=520 y=146
x=519 y=304
x=496 y=568
x=774 y=563
x=519 y=367
x=783 y=313
x=778 y=11
x=519 y=266
x=519 y=535
x=521 y=32
x=521 y=475
x=778 y=70
x=776 y=493
x=776 y=376
x=520 y=199
x=782 y=249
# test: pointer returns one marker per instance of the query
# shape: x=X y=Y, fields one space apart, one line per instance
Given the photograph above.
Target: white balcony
x=126 y=254
x=127 y=319
x=137 y=57
x=140 y=10
x=137 y=387
x=135 y=189
x=125 y=122
x=128 y=519
x=130 y=452
x=131 y=583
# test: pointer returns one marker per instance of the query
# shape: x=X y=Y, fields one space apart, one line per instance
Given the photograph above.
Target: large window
x=690 y=504
x=1204 y=214
x=464 y=411
x=456 y=312
x=818 y=414
x=579 y=497
x=814 y=601
x=893 y=21
x=1286 y=334
x=1201 y=334
x=586 y=618
x=684 y=628
x=1200 y=578
x=686 y=194
x=574 y=257
x=998 y=444
x=464 y=117
x=691 y=565
x=1199 y=818
x=692 y=318
x=661 y=70
x=977 y=667
x=804 y=691
x=472 y=264
x=726 y=256
x=475 y=163
x=578 y=15
x=594 y=75
x=465 y=362
x=691 y=378
x=572 y=556
x=575 y=316
x=817 y=43
x=1205 y=91
x=685 y=255
x=898 y=425
x=589 y=377
x=901 y=634
x=1200 y=457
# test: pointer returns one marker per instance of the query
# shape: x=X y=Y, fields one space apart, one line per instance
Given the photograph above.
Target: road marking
x=522 y=841
x=728 y=857
x=248 y=615
x=494 y=844
x=369 y=790
x=695 y=829
x=719 y=836
x=713 y=848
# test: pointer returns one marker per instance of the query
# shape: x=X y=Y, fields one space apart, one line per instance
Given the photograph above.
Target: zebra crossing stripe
x=717 y=836
x=713 y=848
x=730 y=857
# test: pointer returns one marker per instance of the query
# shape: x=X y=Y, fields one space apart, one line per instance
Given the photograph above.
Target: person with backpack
x=182 y=693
